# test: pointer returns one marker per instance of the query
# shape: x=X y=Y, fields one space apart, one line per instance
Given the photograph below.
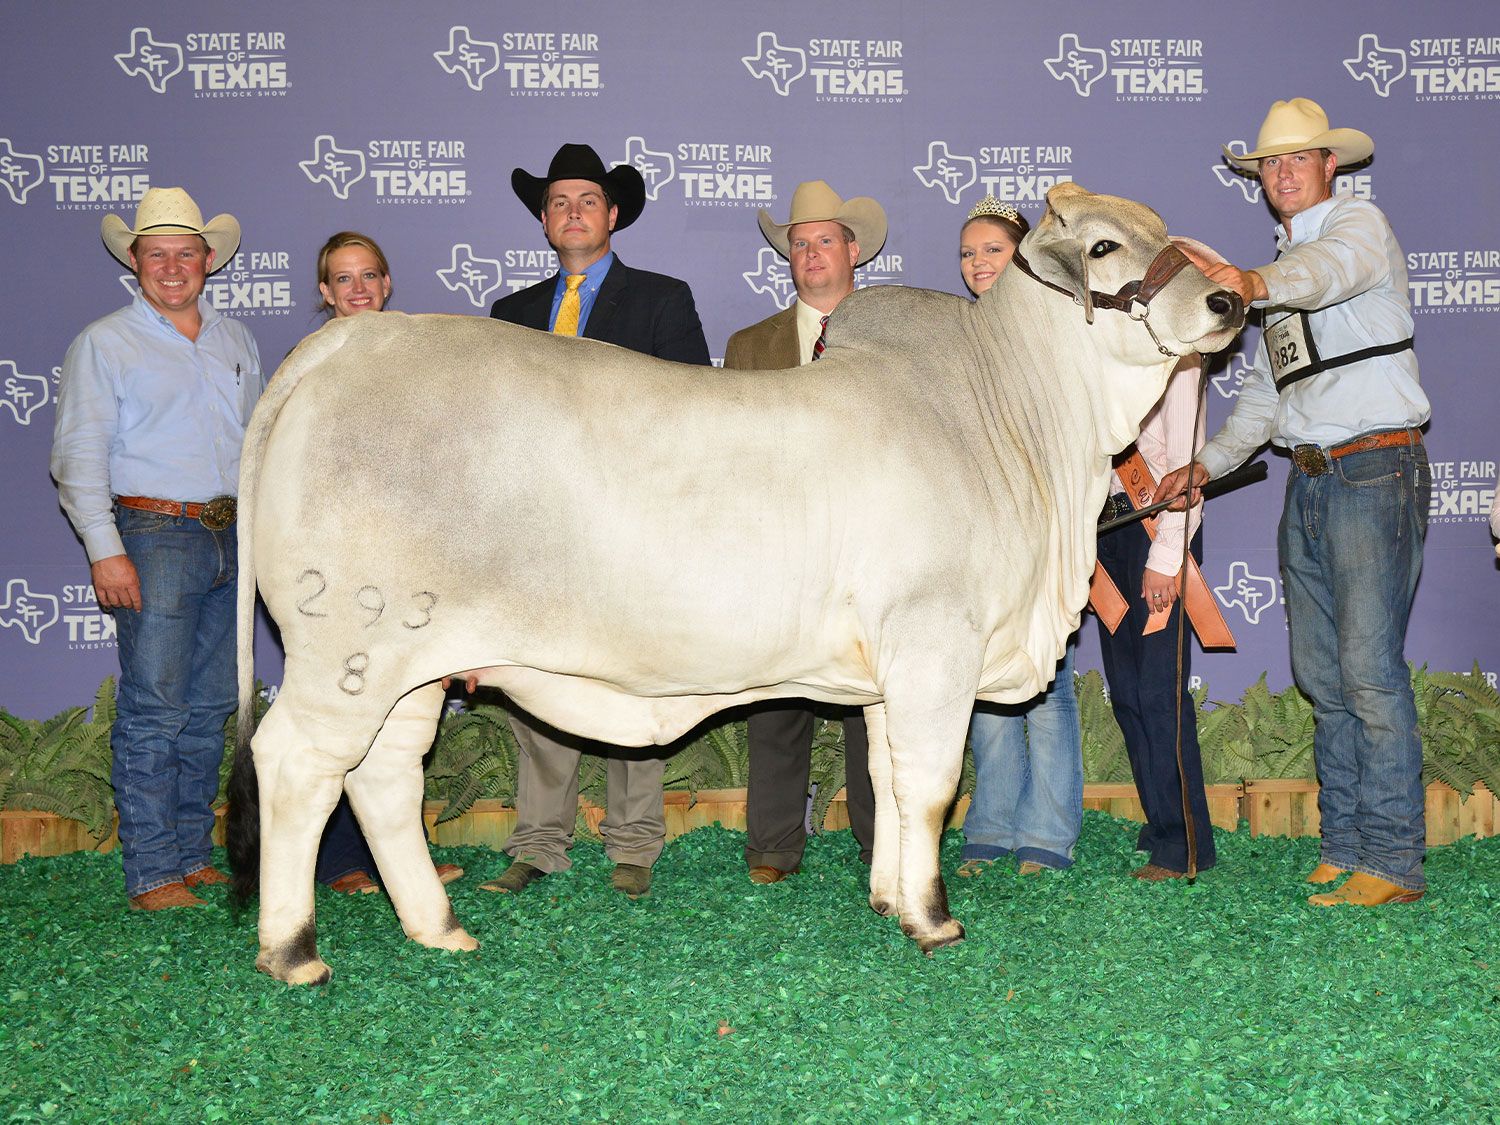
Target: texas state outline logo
x=23 y=395
x=20 y=172
x=154 y=61
x=1383 y=67
x=781 y=65
x=30 y=612
x=772 y=276
x=657 y=169
x=469 y=274
x=1246 y=591
x=472 y=59
x=339 y=168
x=1075 y=63
x=949 y=172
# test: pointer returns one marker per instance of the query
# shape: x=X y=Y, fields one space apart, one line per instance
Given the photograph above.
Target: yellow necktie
x=567 y=312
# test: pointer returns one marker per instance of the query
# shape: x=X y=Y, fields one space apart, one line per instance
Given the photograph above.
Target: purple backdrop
x=407 y=122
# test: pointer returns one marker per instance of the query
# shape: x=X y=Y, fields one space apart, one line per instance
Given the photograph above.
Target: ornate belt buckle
x=218 y=513
x=1310 y=459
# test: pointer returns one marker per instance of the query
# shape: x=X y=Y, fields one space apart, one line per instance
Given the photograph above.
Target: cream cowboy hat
x=1301 y=124
x=171 y=211
x=816 y=202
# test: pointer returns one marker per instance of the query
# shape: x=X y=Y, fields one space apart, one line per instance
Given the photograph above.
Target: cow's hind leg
x=386 y=794
x=300 y=766
x=885 y=864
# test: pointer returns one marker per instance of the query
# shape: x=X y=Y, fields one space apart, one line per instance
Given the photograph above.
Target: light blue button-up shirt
x=144 y=411
x=1341 y=264
x=593 y=278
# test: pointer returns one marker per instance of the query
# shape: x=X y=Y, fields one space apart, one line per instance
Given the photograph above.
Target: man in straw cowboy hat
x=1335 y=384
x=823 y=240
x=594 y=294
x=151 y=412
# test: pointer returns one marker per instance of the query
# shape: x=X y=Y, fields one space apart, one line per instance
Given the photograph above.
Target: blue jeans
x=1351 y=550
x=1028 y=777
x=177 y=688
x=343 y=850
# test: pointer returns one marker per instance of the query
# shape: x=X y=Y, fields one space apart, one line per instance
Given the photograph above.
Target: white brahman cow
x=626 y=546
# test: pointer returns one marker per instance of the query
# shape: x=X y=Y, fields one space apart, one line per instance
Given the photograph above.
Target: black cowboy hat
x=622 y=183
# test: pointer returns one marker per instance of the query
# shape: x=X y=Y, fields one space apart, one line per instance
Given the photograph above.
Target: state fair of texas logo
x=29 y=612
x=1383 y=67
x=339 y=168
x=20 y=172
x=1229 y=381
x=23 y=395
x=772 y=276
x=153 y=61
x=1448 y=68
x=782 y=65
x=1248 y=592
x=1231 y=177
x=473 y=59
x=949 y=172
x=474 y=276
x=657 y=169
x=1075 y=63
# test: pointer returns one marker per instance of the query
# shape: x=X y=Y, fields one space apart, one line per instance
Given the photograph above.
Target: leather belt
x=1116 y=506
x=215 y=515
x=1314 y=461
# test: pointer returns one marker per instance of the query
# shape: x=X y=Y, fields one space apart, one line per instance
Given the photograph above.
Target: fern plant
x=1104 y=756
x=1458 y=714
x=61 y=765
x=473 y=756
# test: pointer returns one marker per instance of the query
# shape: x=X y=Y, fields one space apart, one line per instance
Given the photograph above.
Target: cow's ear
x=1062 y=261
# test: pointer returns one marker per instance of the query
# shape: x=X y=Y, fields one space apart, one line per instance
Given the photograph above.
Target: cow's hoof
x=950 y=934
x=315 y=971
x=455 y=941
x=882 y=906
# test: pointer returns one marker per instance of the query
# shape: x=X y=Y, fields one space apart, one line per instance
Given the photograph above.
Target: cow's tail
x=242 y=828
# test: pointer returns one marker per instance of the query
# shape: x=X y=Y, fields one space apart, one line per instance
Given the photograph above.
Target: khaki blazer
x=768 y=345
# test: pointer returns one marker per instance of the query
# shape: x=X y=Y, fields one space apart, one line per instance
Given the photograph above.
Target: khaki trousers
x=634 y=827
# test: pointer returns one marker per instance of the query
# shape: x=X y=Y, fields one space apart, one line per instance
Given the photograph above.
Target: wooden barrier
x=1271 y=808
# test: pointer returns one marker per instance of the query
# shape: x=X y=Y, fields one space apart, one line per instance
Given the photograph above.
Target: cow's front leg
x=885 y=863
x=927 y=757
x=299 y=785
x=385 y=792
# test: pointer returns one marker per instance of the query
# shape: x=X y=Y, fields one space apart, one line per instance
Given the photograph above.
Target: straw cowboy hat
x=171 y=211
x=622 y=183
x=816 y=202
x=1297 y=125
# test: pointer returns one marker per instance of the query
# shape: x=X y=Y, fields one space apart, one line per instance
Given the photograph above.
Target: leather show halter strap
x=1203 y=611
x=1129 y=297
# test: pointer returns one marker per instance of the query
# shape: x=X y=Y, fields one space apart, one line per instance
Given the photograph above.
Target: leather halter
x=1163 y=268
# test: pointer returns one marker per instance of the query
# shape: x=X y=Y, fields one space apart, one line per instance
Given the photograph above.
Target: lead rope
x=1187 y=542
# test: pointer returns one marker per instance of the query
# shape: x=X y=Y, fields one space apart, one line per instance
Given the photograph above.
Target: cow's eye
x=1102 y=247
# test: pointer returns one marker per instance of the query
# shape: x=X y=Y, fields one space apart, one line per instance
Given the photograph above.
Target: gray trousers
x=634 y=827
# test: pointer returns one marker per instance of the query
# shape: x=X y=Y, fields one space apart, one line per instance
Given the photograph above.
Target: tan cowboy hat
x=816 y=202
x=1301 y=124
x=171 y=211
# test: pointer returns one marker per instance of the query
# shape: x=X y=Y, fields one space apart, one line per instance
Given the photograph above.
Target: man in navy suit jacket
x=596 y=295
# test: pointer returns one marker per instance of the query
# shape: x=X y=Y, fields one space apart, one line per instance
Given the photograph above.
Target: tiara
x=989 y=205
